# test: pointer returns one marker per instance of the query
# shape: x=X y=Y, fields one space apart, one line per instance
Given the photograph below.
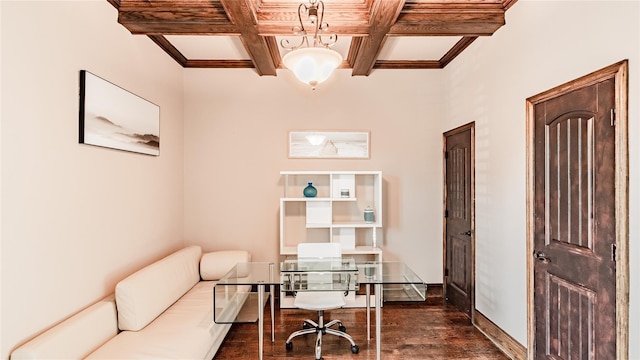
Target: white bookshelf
x=332 y=216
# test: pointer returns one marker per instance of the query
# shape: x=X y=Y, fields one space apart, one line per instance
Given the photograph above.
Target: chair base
x=319 y=328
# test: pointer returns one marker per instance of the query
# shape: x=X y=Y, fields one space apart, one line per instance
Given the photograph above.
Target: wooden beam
x=258 y=22
x=383 y=15
x=169 y=49
x=248 y=64
x=185 y=17
x=441 y=19
x=220 y=64
x=456 y=50
x=354 y=47
x=506 y=4
x=348 y=18
x=407 y=64
x=274 y=50
x=380 y=64
x=242 y=14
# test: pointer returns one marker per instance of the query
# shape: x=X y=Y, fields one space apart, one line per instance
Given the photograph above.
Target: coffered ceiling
x=372 y=34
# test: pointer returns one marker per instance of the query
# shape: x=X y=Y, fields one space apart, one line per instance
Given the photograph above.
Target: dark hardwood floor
x=423 y=330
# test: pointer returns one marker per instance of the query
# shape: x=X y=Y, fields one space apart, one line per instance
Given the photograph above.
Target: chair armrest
x=216 y=264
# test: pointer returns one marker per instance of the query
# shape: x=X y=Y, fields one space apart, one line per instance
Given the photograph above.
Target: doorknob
x=542 y=257
x=468 y=233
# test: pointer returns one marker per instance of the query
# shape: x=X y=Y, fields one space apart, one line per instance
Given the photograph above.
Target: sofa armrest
x=216 y=264
x=75 y=337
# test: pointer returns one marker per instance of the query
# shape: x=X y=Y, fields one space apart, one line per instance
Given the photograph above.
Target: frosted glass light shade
x=312 y=65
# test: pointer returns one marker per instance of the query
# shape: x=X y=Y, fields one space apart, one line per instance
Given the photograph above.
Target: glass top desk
x=240 y=295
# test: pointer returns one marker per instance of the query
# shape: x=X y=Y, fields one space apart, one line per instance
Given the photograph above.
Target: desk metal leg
x=260 y=319
x=271 y=298
x=368 y=301
x=273 y=313
x=378 y=290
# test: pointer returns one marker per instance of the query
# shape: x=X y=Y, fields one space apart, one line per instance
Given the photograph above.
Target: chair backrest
x=314 y=253
x=319 y=250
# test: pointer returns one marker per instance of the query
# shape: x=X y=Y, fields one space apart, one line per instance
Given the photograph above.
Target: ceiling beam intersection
x=243 y=16
x=365 y=51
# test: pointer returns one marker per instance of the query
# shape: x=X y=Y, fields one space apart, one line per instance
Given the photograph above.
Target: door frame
x=618 y=72
x=472 y=292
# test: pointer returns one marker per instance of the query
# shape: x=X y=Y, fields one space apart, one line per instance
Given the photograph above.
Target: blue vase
x=369 y=216
x=310 y=191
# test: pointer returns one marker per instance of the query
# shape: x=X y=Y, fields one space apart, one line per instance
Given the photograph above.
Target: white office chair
x=320 y=300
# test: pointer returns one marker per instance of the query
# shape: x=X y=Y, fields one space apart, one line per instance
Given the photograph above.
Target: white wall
x=77 y=218
x=544 y=44
x=236 y=128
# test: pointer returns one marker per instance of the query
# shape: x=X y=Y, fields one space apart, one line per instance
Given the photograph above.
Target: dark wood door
x=574 y=225
x=458 y=219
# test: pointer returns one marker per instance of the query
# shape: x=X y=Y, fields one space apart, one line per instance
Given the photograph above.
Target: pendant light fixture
x=312 y=64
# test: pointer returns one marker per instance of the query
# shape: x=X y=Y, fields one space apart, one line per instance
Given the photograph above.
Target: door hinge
x=446 y=272
x=446 y=154
x=446 y=213
x=613 y=117
x=613 y=252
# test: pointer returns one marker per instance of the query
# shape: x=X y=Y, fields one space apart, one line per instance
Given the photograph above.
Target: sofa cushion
x=184 y=331
x=75 y=337
x=145 y=294
x=214 y=265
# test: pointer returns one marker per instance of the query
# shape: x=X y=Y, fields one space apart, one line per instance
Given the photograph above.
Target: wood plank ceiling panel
x=345 y=18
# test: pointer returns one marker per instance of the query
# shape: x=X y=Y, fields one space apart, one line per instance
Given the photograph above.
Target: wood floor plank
x=422 y=330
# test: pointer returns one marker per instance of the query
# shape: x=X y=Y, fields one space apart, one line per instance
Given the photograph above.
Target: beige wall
x=77 y=218
x=544 y=44
x=236 y=128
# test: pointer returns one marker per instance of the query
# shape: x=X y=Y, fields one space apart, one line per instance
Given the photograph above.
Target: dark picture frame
x=115 y=118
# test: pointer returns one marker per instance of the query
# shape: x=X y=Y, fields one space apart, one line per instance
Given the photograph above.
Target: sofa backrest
x=215 y=265
x=75 y=337
x=145 y=294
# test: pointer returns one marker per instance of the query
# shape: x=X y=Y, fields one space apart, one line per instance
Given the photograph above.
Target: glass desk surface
x=251 y=273
x=400 y=282
x=342 y=265
x=241 y=294
x=236 y=295
x=328 y=274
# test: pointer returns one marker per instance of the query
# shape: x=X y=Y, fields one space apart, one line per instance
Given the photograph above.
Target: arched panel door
x=574 y=225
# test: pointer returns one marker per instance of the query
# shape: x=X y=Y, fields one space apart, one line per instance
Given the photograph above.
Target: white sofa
x=163 y=311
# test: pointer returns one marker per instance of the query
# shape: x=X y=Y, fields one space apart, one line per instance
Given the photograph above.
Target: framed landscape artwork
x=113 y=117
x=329 y=144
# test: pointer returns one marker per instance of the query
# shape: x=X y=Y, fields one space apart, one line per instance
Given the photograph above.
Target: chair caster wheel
x=355 y=349
x=342 y=328
x=289 y=345
x=305 y=325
